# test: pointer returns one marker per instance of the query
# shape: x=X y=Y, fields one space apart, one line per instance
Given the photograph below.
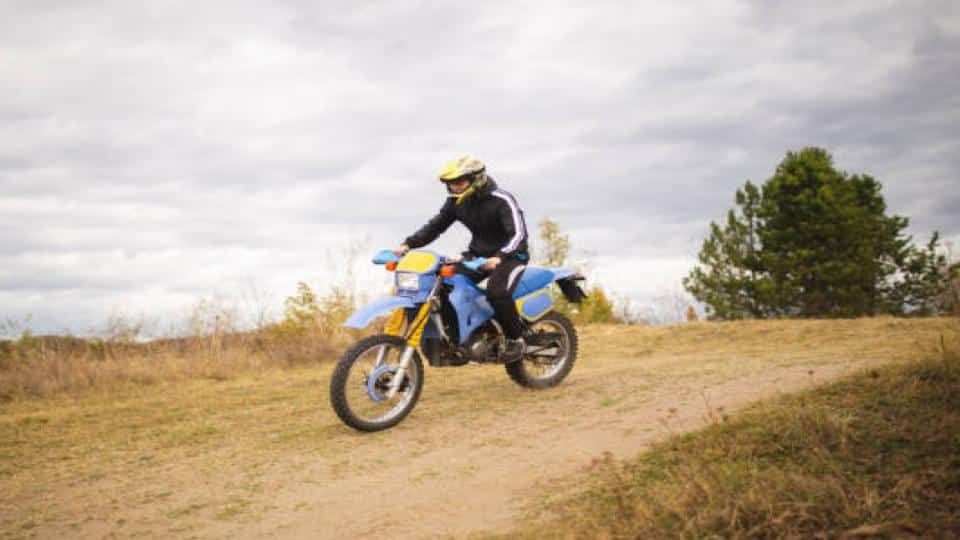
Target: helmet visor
x=458 y=185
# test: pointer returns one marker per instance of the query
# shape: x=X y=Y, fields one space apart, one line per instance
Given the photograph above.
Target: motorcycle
x=441 y=315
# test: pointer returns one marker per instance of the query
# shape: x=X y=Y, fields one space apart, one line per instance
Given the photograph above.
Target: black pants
x=501 y=284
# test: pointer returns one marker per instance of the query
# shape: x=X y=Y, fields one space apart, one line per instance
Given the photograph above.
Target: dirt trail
x=477 y=454
x=481 y=472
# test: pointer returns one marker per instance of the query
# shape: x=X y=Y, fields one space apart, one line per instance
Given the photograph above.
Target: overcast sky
x=153 y=154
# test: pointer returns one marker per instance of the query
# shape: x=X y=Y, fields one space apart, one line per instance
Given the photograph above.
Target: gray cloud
x=152 y=155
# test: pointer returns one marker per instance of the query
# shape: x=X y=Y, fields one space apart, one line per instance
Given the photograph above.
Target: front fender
x=365 y=315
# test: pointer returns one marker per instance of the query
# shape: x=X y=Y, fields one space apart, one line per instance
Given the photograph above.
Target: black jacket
x=493 y=217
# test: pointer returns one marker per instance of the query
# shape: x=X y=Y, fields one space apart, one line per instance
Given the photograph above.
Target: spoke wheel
x=551 y=353
x=362 y=378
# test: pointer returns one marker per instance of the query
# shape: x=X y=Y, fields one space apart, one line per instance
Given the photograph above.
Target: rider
x=499 y=234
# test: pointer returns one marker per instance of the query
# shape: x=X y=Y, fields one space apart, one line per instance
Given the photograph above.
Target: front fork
x=401 y=372
x=394 y=328
x=413 y=336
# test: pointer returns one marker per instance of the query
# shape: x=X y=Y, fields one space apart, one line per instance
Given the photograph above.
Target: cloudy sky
x=154 y=154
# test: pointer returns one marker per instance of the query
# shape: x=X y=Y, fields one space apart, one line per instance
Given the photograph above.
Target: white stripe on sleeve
x=518 y=224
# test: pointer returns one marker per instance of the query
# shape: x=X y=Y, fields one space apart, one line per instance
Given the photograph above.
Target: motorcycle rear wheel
x=542 y=370
x=359 y=402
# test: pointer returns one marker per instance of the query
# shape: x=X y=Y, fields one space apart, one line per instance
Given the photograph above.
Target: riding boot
x=514 y=350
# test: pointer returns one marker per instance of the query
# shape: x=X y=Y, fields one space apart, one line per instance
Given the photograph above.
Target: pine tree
x=729 y=279
x=827 y=243
x=926 y=276
x=814 y=242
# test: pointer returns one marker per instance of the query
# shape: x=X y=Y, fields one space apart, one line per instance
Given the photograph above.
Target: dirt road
x=264 y=457
x=477 y=473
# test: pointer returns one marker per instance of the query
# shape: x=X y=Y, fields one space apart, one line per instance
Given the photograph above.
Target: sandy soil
x=482 y=474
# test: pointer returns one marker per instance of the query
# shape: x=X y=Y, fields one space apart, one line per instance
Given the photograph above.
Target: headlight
x=408 y=280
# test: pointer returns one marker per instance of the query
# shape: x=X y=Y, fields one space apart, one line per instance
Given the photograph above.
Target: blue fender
x=369 y=312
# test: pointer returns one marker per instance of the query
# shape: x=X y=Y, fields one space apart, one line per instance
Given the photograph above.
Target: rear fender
x=567 y=280
x=571 y=289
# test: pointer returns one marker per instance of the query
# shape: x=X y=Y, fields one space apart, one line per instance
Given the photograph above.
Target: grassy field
x=258 y=451
x=874 y=455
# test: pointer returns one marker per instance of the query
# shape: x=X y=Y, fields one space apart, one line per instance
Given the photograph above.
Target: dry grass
x=872 y=456
x=888 y=337
x=47 y=366
x=310 y=331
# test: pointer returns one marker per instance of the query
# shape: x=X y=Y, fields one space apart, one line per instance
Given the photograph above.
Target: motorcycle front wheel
x=551 y=352
x=358 y=388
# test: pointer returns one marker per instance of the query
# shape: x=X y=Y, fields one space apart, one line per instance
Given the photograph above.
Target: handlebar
x=385 y=256
x=475 y=264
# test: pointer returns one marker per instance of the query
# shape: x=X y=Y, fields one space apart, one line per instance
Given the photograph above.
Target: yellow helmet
x=460 y=167
x=464 y=167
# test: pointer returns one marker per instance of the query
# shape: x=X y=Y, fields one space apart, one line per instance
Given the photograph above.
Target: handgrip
x=475 y=264
x=385 y=256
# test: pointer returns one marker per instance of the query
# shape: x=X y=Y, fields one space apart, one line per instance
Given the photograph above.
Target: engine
x=481 y=347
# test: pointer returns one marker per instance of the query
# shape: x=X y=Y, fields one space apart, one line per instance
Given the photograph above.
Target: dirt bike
x=441 y=315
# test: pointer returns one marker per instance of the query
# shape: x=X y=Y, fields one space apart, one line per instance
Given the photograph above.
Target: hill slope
x=263 y=455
